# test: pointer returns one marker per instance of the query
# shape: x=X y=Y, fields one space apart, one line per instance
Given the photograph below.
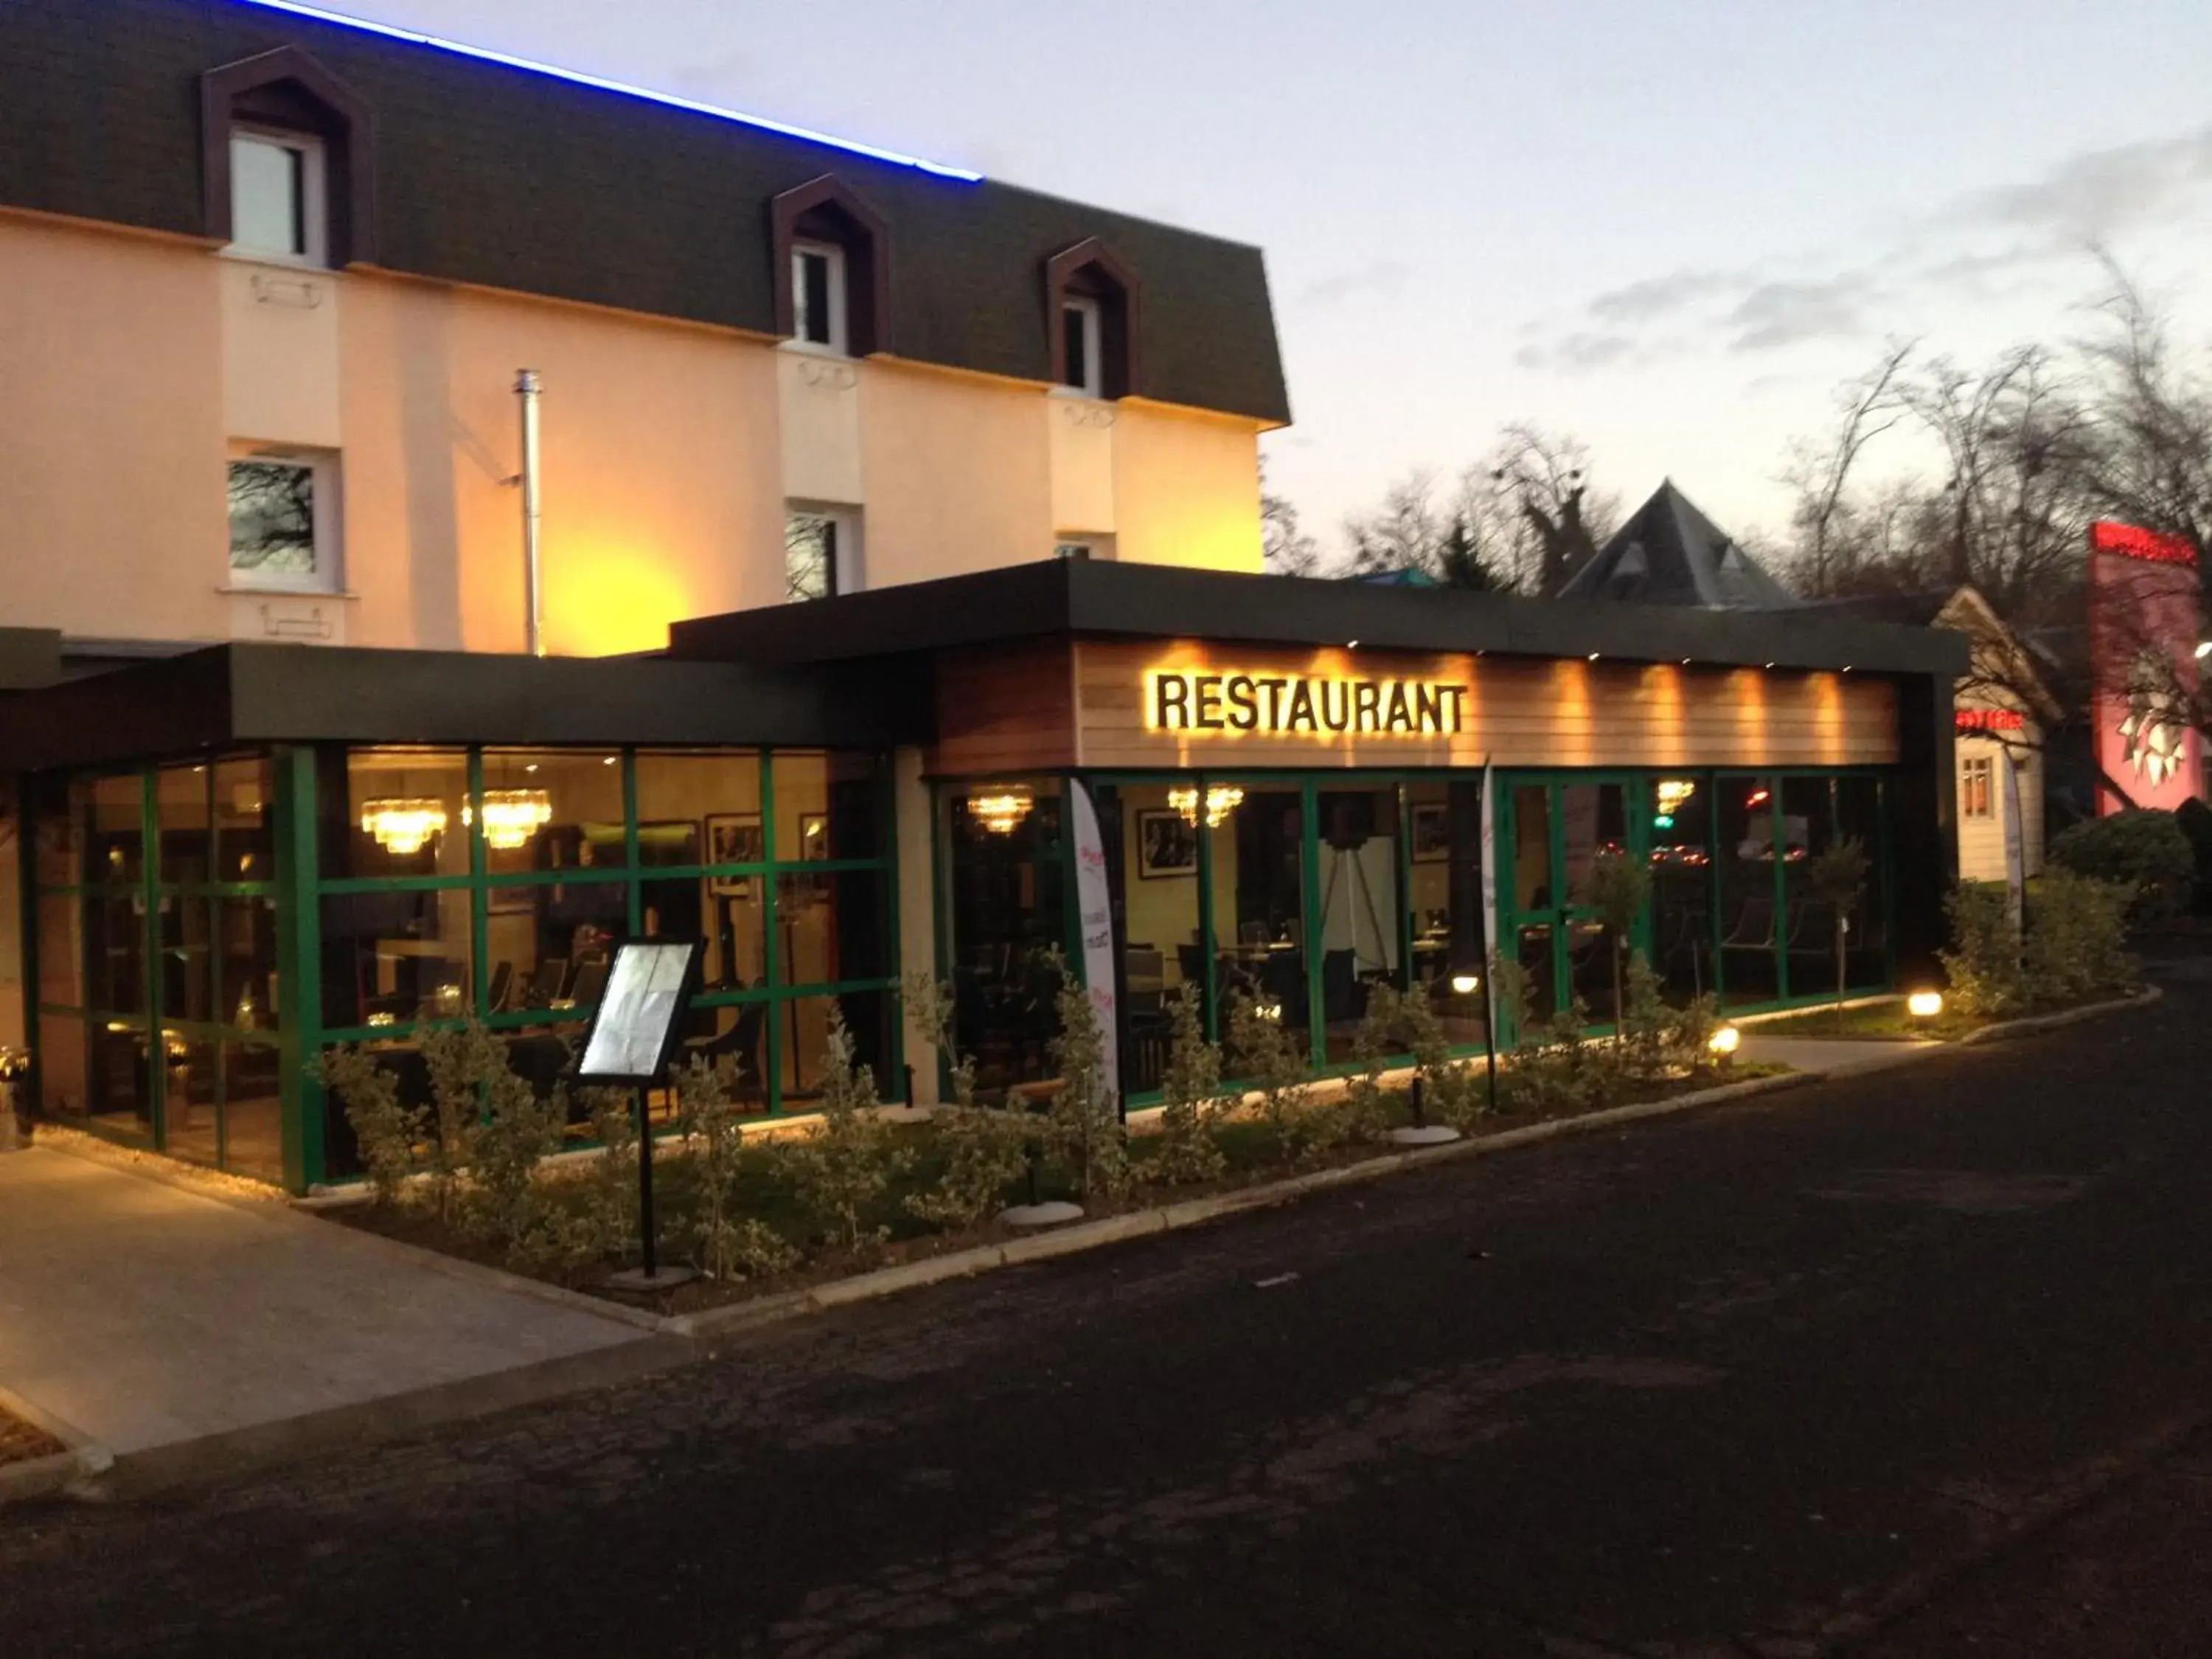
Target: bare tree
x=1411 y=530
x=1287 y=548
x=1832 y=534
x=1534 y=493
x=2150 y=460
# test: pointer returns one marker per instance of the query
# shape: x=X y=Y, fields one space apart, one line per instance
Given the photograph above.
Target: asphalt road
x=1916 y=1365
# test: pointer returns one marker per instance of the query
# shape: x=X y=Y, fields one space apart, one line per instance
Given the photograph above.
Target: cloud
x=2100 y=192
x=1578 y=350
x=1653 y=297
x=1971 y=246
x=1783 y=314
x=1381 y=277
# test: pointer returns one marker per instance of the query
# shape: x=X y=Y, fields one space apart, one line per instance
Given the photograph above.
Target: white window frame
x=1983 y=768
x=839 y=344
x=328 y=575
x=314 y=197
x=847 y=568
x=1093 y=383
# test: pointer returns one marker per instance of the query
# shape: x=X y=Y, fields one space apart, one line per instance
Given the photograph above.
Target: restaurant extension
x=1183 y=700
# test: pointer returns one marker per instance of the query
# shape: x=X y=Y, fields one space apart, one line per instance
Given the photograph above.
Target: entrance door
x=1558 y=829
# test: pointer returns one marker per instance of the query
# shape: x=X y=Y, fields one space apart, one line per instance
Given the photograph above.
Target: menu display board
x=635 y=1027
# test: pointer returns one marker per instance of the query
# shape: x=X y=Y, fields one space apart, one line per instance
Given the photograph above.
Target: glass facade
x=203 y=930
x=159 y=996
x=1304 y=892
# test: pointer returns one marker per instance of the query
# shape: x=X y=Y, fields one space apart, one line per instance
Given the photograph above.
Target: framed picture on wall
x=733 y=838
x=1431 y=826
x=1167 y=845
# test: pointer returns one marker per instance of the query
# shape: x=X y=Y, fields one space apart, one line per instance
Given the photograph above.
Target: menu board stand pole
x=646 y=1227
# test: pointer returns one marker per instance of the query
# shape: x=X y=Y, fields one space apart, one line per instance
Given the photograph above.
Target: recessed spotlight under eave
x=604 y=83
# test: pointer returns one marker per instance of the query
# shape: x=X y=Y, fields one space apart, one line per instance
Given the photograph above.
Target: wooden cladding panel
x=1518 y=712
x=1006 y=711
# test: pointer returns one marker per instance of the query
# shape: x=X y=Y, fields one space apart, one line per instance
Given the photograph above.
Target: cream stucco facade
x=669 y=452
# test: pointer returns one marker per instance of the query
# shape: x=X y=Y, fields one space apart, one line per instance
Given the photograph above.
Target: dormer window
x=284 y=162
x=1082 y=363
x=1090 y=299
x=820 y=314
x=278 y=195
x=832 y=270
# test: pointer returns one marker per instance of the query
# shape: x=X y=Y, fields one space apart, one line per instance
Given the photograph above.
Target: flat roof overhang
x=244 y=695
x=1077 y=598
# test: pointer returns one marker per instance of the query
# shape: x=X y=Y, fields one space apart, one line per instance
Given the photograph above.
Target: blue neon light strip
x=485 y=54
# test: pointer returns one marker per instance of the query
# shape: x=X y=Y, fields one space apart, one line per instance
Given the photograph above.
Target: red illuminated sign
x=1990 y=720
x=2131 y=542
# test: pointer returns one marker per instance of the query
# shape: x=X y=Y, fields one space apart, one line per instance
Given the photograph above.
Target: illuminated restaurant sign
x=1990 y=720
x=1288 y=705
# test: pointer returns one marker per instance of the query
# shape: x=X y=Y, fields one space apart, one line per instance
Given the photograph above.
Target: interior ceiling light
x=403 y=825
x=1001 y=811
x=1221 y=799
x=511 y=816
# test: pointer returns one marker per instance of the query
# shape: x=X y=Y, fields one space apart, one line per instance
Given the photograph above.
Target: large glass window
x=388 y=813
x=1361 y=940
x=1859 y=803
x=1443 y=899
x=519 y=871
x=1151 y=833
x=1811 y=941
x=1008 y=903
x=1262 y=945
x=1682 y=944
x=1751 y=937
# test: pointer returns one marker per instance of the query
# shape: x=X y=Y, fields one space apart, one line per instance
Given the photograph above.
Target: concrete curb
x=81 y=1456
x=64 y=1473
x=2012 y=1028
x=1187 y=1212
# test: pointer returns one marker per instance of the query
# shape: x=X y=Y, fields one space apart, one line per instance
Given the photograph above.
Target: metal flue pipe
x=526 y=390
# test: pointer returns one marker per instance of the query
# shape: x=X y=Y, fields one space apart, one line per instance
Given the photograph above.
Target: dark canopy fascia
x=1103 y=598
x=29 y=656
x=244 y=695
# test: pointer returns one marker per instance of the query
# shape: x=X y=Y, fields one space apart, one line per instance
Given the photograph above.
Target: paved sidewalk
x=142 y=1316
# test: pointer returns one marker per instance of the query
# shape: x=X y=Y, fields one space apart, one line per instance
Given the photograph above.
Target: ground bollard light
x=1725 y=1042
x=1924 y=1005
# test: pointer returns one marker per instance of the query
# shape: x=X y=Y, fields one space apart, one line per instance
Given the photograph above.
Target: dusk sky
x=1669 y=230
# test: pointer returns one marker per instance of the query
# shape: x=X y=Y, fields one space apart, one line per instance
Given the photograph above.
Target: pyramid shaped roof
x=1669 y=553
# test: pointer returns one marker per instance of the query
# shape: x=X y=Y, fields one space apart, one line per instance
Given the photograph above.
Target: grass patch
x=1885 y=1020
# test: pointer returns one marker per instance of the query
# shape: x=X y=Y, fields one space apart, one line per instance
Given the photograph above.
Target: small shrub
x=2075 y=946
x=724 y=1244
x=1087 y=1119
x=1271 y=1062
x=1618 y=888
x=1837 y=876
x=979 y=1152
x=842 y=1171
x=388 y=1131
x=1184 y=1146
x=2144 y=850
x=1983 y=964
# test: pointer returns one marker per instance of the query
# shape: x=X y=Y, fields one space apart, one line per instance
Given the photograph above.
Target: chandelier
x=511 y=816
x=1001 y=811
x=403 y=825
x=1221 y=799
